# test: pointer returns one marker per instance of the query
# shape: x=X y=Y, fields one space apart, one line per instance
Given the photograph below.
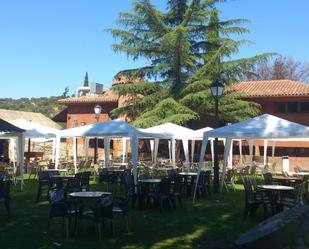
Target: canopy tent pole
x=86 y=147
x=273 y=151
x=185 y=145
x=152 y=149
x=53 y=149
x=192 y=150
x=173 y=149
x=250 y=151
x=169 y=151
x=230 y=157
x=134 y=150
x=265 y=151
x=12 y=144
x=106 y=150
x=75 y=154
x=57 y=154
x=240 y=152
x=21 y=146
x=227 y=149
x=212 y=149
x=156 y=148
x=124 y=149
x=201 y=162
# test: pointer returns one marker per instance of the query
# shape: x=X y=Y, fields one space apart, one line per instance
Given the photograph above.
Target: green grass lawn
x=215 y=219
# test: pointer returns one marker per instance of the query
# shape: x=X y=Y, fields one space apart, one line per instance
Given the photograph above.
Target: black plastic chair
x=177 y=191
x=73 y=185
x=61 y=208
x=5 y=194
x=291 y=198
x=162 y=195
x=268 y=178
x=254 y=199
x=43 y=183
x=85 y=180
x=103 y=209
x=122 y=206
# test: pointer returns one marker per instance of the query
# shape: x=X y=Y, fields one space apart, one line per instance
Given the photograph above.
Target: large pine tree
x=187 y=49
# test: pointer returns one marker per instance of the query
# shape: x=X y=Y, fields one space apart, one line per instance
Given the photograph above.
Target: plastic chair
x=103 y=209
x=61 y=208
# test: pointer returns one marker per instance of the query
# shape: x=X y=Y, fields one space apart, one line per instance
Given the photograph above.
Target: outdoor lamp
x=216 y=89
x=97 y=109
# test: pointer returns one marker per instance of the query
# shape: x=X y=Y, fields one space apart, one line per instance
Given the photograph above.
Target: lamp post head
x=217 y=89
x=97 y=109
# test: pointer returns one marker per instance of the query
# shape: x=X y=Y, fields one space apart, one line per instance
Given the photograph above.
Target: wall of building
x=269 y=106
x=83 y=114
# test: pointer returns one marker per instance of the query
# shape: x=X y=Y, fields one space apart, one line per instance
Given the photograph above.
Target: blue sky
x=48 y=45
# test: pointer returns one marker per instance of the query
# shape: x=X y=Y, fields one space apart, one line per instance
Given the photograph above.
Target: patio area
x=214 y=222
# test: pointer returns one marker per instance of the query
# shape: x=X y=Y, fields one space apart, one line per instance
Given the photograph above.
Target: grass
x=214 y=220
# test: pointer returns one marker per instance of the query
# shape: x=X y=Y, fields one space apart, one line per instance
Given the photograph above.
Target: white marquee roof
x=265 y=126
x=35 y=130
x=112 y=128
x=178 y=132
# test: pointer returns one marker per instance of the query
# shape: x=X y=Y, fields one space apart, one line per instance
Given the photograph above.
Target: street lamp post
x=97 y=112
x=216 y=92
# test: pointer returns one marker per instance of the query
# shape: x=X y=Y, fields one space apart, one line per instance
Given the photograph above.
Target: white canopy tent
x=34 y=130
x=107 y=130
x=178 y=132
x=198 y=136
x=9 y=131
x=264 y=127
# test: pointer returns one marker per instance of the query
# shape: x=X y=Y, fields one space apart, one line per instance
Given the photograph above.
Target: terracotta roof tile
x=107 y=96
x=271 y=88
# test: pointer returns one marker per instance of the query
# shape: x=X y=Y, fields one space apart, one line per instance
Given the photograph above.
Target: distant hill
x=44 y=105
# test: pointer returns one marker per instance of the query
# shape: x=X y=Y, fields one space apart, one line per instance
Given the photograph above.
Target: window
x=280 y=107
x=304 y=107
x=75 y=123
x=288 y=107
x=292 y=107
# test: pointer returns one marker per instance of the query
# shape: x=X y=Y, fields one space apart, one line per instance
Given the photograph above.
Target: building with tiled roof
x=9 y=115
x=287 y=99
x=283 y=98
x=271 y=88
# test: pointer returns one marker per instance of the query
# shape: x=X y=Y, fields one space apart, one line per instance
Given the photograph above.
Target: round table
x=188 y=173
x=89 y=194
x=276 y=187
x=150 y=180
x=276 y=191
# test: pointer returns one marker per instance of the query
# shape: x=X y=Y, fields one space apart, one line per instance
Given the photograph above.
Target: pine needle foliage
x=187 y=48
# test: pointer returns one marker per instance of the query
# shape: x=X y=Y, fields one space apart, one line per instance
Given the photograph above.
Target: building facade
x=283 y=98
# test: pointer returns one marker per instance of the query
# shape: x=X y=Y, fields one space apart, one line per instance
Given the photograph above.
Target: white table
x=276 y=187
x=89 y=194
x=188 y=173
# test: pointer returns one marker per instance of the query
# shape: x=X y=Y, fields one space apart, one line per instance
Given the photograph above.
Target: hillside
x=44 y=105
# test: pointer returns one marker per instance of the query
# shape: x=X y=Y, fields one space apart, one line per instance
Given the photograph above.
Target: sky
x=47 y=45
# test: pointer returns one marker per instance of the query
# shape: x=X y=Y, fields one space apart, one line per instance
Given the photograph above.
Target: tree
x=86 y=82
x=280 y=67
x=65 y=92
x=186 y=48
